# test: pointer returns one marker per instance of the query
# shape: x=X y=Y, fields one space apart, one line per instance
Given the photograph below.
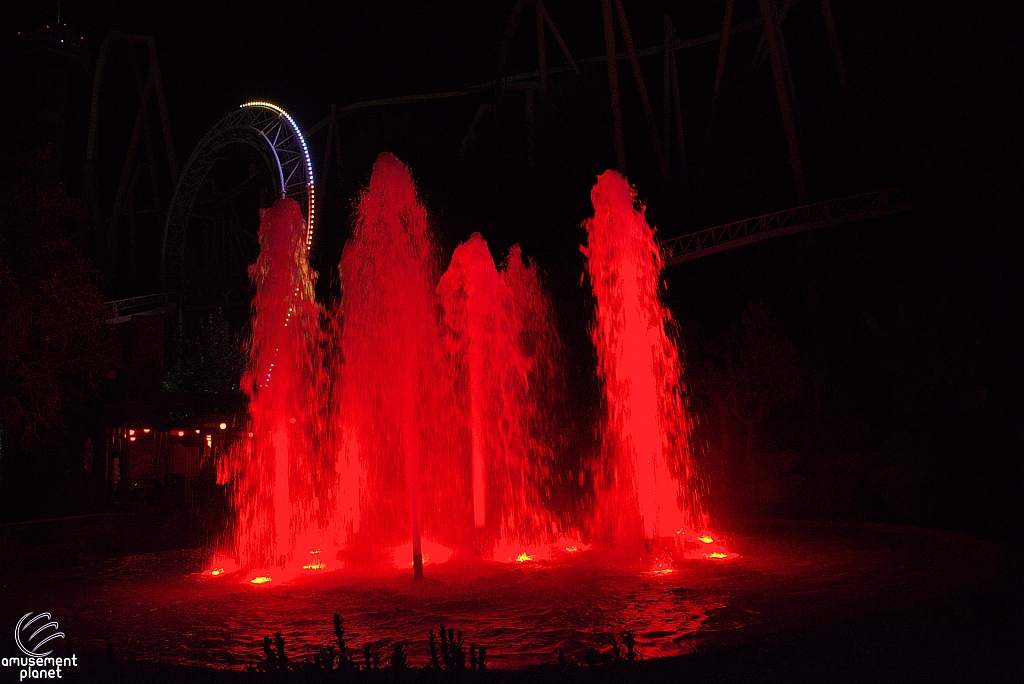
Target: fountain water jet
x=647 y=487
x=501 y=344
x=474 y=300
x=389 y=346
x=277 y=505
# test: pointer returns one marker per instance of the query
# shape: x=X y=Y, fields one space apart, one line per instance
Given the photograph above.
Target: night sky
x=932 y=93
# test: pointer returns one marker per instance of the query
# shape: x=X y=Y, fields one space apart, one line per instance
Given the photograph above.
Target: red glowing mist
x=646 y=484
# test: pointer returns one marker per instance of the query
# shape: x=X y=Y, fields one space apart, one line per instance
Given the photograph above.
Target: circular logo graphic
x=34 y=631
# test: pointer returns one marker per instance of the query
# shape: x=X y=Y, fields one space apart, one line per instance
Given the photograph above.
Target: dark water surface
x=159 y=607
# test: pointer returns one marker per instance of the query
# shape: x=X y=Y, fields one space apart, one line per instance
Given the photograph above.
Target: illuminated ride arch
x=269 y=130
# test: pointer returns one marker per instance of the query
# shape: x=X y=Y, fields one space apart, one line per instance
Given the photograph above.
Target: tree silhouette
x=55 y=346
x=756 y=370
x=210 y=357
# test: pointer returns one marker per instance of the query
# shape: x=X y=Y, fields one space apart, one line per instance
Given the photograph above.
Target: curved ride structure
x=272 y=132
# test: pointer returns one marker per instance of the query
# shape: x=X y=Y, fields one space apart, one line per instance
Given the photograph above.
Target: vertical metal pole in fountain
x=417 y=546
x=476 y=398
x=411 y=447
x=282 y=506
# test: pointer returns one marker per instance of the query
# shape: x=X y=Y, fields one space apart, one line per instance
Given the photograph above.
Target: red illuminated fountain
x=428 y=417
x=413 y=422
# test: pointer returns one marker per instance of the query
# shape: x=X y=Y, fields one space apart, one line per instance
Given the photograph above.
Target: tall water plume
x=501 y=346
x=276 y=483
x=646 y=483
x=389 y=345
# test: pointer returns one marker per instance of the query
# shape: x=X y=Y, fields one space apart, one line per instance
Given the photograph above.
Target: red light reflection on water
x=433 y=553
x=514 y=552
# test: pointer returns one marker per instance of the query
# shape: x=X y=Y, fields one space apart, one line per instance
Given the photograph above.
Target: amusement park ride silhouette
x=275 y=137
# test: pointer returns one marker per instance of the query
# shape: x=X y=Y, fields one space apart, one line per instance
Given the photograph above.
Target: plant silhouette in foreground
x=622 y=651
x=477 y=657
x=274 y=657
x=452 y=652
x=336 y=662
x=399 y=660
x=446 y=651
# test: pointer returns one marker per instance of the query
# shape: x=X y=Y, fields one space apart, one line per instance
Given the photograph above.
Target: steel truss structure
x=123 y=310
x=140 y=159
x=274 y=134
x=796 y=220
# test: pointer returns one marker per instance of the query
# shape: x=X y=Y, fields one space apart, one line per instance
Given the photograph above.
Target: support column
x=542 y=56
x=678 y=103
x=666 y=84
x=782 y=91
x=723 y=47
x=833 y=41
x=558 y=37
x=613 y=85
x=638 y=76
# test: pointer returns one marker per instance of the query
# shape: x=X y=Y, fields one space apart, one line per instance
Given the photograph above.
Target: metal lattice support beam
x=197 y=300
x=134 y=304
x=275 y=135
x=152 y=90
x=796 y=220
